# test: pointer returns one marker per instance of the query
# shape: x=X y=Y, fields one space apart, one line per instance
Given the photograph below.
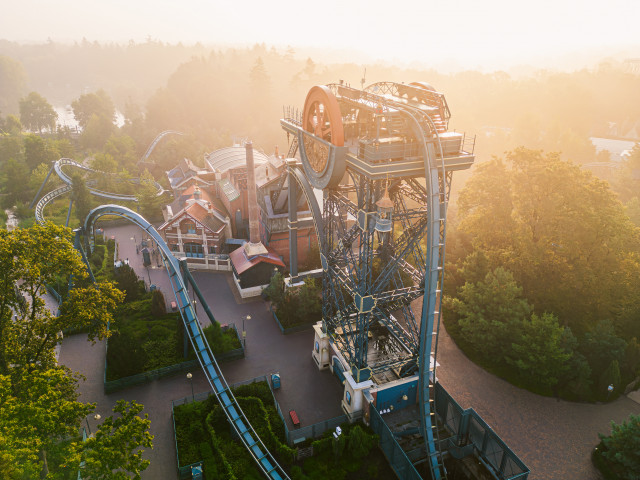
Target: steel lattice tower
x=383 y=158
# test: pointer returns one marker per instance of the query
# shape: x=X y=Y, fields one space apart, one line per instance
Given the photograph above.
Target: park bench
x=294 y=418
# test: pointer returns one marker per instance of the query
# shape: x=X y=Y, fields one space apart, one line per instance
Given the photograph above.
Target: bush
x=621 y=449
x=129 y=283
x=299 y=306
x=158 y=306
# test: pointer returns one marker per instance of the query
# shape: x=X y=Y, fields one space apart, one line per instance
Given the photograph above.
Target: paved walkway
x=313 y=394
x=554 y=438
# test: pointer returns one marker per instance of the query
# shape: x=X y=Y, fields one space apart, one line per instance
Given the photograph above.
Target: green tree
x=633 y=210
x=576 y=381
x=11 y=147
x=538 y=353
x=90 y=104
x=14 y=176
x=150 y=202
x=13 y=80
x=611 y=376
x=158 y=305
x=12 y=125
x=38 y=150
x=29 y=260
x=559 y=230
x=310 y=300
x=81 y=197
x=601 y=346
x=129 y=282
x=96 y=132
x=36 y=114
x=359 y=443
x=275 y=291
x=123 y=149
x=490 y=313
x=37 y=412
x=115 y=452
x=622 y=448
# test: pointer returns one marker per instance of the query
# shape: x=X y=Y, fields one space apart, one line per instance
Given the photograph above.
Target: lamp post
x=86 y=419
x=190 y=377
x=244 y=332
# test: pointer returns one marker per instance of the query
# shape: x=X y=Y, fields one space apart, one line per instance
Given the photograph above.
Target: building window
x=193 y=250
x=348 y=397
x=190 y=227
x=212 y=249
x=317 y=347
x=174 y=247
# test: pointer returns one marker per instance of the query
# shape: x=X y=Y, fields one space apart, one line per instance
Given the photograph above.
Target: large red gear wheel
x=321 y=117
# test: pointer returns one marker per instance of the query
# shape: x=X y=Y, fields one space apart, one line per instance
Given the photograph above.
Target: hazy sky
x=469 y=32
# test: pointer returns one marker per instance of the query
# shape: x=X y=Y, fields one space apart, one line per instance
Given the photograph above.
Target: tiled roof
x=241 y=263
x=200 y=214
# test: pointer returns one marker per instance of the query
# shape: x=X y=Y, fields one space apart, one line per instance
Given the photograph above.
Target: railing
x=470 y=429
x=396 y=456
x=289 y=330
x=313 y=431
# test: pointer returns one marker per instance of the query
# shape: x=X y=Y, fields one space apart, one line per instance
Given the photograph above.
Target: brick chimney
x=255 y=246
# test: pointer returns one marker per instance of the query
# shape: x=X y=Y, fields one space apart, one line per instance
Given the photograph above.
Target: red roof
x=199 y=213
x=241 y=263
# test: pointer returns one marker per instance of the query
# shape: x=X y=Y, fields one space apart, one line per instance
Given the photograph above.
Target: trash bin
x=196 y=472
x=275 y=381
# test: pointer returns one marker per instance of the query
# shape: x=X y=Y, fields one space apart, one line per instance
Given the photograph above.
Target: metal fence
x=146 y=377
x=391 y=448
x=293 y=436
x=469 y=428
x=289 y=330
x=301 y=434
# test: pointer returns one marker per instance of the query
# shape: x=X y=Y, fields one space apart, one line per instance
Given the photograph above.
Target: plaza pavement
x=554 y=438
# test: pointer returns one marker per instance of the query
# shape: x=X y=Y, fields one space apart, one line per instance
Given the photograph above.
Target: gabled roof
x=183 y=171
x=198 y=213
x=206 y=196
x=242 y=263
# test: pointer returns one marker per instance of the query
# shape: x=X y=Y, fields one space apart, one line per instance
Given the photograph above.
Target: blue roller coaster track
x=155 y=142
x=236 y=417
x=57 y=167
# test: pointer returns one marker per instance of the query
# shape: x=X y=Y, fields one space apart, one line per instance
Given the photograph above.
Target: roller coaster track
x=67 y=162
x=155 y=142
x=232 y=410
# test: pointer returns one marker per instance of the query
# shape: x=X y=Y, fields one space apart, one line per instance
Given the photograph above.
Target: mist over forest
x=214 y=94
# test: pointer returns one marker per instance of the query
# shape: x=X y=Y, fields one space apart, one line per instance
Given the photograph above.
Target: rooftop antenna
x=363 y=79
